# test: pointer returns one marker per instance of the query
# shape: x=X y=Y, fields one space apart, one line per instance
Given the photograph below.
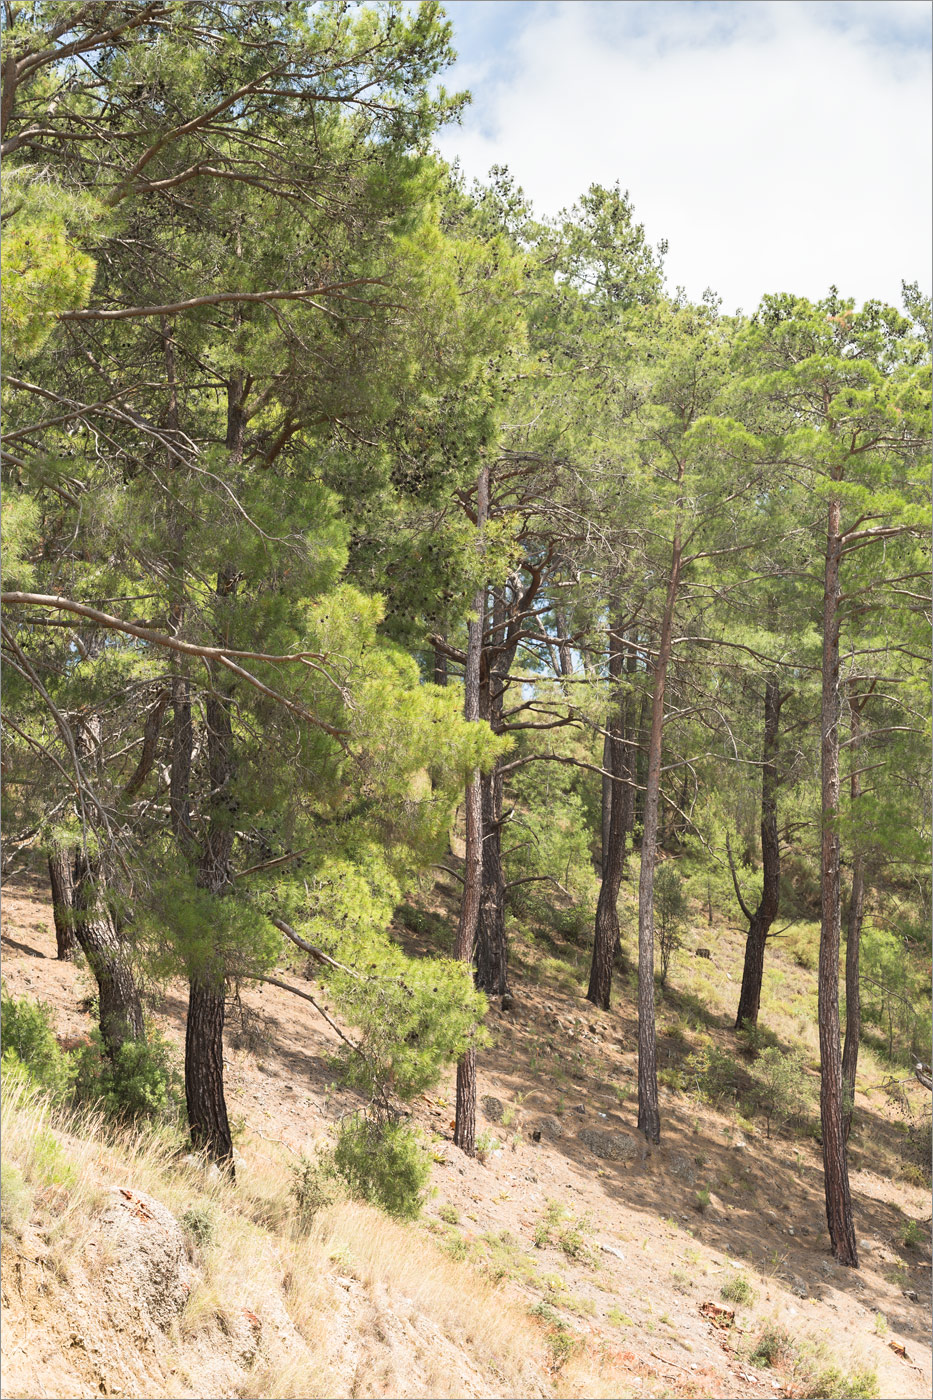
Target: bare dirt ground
x=574 y=1212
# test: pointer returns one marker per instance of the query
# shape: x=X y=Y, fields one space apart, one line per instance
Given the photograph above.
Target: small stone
x=798 y=1287
x=493 y=1108
x=790 y=1229
x=912 y=1294
x=866 y=1245
x=580 y=1108
x=551 y=1128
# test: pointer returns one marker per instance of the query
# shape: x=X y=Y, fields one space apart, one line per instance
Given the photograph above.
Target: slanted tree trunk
x=204 y=1081
x=854 y=927
x=606 y=933
x=121 y=1012
x=96 y=932
x=465 y=1119
x=61 y=879
x=759 y=922
x=835 y=1165
x=649 y=1118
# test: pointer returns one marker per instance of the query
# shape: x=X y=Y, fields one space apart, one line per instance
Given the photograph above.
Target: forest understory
x=536 y=1268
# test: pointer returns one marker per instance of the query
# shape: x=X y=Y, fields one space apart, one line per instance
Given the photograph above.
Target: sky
x=777 y=145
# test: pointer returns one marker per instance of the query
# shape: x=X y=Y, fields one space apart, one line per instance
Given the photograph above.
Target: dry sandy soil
x=645 y=1258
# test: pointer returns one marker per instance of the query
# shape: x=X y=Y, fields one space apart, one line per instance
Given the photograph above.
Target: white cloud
x=777 y=146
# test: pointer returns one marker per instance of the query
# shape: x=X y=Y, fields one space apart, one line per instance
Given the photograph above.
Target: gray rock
x=912 y=1295
x=798 y=1287
x=551 y=1128
x=683 y=1166
x=827 y=1268
x=613 y=1146
x=493 y=1108
x=150 y=1259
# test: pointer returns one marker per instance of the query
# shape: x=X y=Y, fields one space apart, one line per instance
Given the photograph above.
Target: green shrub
x=738 y=1290
x=383 y=1163
x=15 y=1198
x=911 y=1235
x=774 y=1346
x=312 y=1187
x=199 y=1225
x=712 y=1072
x=141 y=1081
x=26 y=1034
x=781 y=1087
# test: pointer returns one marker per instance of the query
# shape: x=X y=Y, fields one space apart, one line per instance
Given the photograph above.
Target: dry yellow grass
x=359 y=1304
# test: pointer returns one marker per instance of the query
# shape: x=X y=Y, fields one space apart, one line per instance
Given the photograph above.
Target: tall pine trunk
x=835 y=1165
x=204 y=1080
x=492 y=972
x=465 y=1118
x=606 y=932
x=761 y=920
x=853 y=930
x=649 y=1117
x=61 y=879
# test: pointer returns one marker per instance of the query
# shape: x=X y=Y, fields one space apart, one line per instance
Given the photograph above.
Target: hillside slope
x=570 y=1259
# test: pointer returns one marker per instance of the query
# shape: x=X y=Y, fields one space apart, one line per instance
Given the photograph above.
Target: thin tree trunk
x=606 y=806
x=761 y=920
x=835 y=1165
x=491 y=953
x=204 y=1081
x=465 y=1120
x=649 y=1118
x=641 y=757
x=121 y=1012
x=61 y=879
x=606 y=933
x=180 y=770
x=492 y=973
x=853 y=931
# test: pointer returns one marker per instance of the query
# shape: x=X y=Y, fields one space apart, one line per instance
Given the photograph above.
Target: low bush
x=142 y=1081
x=738 y=1290
x=27 y=1038
x=781 y=1086
x=383 y=1163
x=311 y=1188
x=199 y=1225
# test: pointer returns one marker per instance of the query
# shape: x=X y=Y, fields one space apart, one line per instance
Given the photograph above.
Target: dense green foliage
x=260 y=346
